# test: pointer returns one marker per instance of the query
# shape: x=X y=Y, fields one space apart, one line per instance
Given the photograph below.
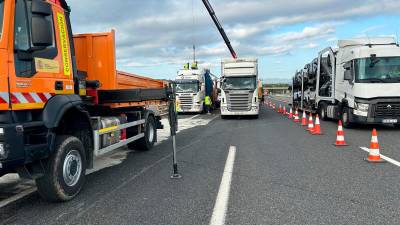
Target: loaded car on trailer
x=62 y=101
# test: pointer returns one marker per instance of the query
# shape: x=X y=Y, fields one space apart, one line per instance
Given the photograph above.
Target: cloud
x=310 y=46
x=309 y=33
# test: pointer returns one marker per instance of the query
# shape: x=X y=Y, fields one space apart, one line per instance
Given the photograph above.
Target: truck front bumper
x=253 y=112
x=370 y=120
x=12 y=154
x=17 y=152
x=191 y=109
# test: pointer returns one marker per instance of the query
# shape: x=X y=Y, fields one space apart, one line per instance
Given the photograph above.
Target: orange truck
x=62 y=101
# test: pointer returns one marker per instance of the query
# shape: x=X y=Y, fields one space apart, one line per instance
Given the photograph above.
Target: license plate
x=390 y=121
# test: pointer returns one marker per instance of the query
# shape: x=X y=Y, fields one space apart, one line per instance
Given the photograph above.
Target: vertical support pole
x=173 y=121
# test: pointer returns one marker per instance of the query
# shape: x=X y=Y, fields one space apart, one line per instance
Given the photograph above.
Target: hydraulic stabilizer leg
x=173 y=121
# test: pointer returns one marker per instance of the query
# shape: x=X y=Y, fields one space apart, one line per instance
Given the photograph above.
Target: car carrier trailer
x=358 y=82
x=62 y=101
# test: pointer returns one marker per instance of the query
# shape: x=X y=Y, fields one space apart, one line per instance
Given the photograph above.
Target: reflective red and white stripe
x=4 y=97
x=25 y=97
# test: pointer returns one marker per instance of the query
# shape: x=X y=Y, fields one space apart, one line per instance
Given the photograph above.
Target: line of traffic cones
x=374 y=155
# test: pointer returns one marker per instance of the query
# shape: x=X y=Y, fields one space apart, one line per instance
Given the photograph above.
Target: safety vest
x=178 y=106
x=208 y=101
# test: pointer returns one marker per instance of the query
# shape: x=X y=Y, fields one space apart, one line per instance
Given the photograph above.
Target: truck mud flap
x=134 y=95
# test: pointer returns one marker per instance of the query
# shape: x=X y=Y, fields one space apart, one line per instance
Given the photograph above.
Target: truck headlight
x=254 y=108
x=362 y=107
x=1 y=131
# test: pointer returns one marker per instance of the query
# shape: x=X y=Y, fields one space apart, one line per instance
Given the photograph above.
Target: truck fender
x=57 y=106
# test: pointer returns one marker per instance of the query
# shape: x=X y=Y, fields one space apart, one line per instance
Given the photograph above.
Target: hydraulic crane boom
x=219 y=26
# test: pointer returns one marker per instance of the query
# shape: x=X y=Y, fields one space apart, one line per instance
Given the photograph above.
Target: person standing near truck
x=208 y=103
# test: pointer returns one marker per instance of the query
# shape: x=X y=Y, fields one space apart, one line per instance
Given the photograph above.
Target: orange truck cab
x=62 y=101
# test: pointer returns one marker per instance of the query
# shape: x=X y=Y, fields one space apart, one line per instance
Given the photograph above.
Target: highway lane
x=280 y=175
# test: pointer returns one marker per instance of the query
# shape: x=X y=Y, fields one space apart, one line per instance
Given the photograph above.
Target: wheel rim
x=72 y=168
x=151 y=132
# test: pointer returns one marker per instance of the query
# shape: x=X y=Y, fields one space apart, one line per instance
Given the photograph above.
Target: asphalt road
x=280 y=175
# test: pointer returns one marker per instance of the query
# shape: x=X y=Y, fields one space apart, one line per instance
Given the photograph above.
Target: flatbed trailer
x=64 y=102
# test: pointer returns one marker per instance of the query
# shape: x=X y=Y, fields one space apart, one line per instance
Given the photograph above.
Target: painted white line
x=17 y=197
x=392 y=161
x=221 y=204
x=191 y=117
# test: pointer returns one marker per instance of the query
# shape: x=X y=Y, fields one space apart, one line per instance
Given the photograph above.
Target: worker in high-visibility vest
x=208 y=103
x=178 y=106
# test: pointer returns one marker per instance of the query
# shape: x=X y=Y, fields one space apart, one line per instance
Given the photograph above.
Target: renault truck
x=358 y=82
x=63 y=103
x=240 y=87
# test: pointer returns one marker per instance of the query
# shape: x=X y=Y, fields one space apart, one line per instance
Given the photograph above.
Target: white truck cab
x=191 y=90
x=239 y=87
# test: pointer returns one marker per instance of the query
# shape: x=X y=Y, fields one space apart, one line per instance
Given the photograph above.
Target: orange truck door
x=37 y=74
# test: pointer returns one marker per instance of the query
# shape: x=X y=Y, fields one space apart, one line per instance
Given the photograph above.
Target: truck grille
x=239 y=101
x=387 y=110
x=186 y=102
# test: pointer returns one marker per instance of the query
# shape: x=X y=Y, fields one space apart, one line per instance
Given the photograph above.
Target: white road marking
x=392 y=161
x=192 y=117
x=221 y=204
x=17 y=197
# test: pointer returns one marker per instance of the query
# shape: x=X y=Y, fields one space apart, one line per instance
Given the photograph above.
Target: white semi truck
x=358 y=82
x=239 y=87
x=192 y=85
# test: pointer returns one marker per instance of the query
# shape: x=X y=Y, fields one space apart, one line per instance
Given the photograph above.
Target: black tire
x=322 y=111
x=346 y=118
x=64 y=171
x=150 y=136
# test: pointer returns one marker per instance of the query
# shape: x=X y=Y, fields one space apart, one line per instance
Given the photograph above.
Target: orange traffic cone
x=340 y=135
x=304 y=119
x=310 y=123
x=296 y=117
x=374 y=154
x=317 y=129
x=284 y=110
x=291 y=113
x=280 y=108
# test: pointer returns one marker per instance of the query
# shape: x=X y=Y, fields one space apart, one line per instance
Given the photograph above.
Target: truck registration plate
x=390 y=121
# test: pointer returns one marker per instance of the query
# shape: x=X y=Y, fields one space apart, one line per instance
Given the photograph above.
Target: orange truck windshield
x=1 y=16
